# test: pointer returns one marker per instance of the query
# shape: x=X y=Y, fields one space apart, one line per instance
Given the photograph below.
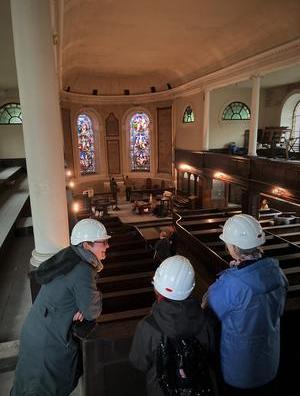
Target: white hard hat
x=243 y=231
x=175 y=278
x=88 y=230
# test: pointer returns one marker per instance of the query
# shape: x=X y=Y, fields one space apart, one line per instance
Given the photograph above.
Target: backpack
x=182 y=367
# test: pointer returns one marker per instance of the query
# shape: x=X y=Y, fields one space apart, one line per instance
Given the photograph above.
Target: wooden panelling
x=164 y=137
x=112 y=125
x=113 y=155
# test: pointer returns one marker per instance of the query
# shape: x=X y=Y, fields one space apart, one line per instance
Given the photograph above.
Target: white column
x=254 y=116
x=42 y=127
x=205 y=137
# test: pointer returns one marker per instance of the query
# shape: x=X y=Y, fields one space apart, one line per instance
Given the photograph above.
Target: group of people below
x=236 y=325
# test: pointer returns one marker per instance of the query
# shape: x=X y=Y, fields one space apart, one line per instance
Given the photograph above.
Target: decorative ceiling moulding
x=264 y=63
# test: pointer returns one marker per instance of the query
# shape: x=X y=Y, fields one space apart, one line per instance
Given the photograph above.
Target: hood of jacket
x=262 y=276
x=62 y=263
x=179 y=317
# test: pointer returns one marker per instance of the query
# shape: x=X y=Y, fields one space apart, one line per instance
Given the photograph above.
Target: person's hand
x=78 y=316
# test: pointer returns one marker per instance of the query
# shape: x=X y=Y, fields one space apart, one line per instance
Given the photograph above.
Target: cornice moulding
x=261 y=64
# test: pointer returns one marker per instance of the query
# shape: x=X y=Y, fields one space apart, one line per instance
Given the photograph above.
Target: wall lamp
x=280 y=192
x=185 y=167
x=220 y=176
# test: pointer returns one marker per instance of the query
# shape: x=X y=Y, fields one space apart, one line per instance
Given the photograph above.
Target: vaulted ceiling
x=117 y=45
x=112 y=45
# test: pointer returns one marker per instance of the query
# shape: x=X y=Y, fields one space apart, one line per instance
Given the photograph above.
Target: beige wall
x=223 y=132
x=11 y=141
x=189 y=136
x=274 y=102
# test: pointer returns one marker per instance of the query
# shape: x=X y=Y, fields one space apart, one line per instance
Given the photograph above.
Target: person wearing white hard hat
x=174 y=314
x=49 y=359
x=248 y=298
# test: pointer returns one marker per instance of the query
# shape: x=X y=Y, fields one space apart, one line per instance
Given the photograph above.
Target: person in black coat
x=48 y=356
x=175 y=313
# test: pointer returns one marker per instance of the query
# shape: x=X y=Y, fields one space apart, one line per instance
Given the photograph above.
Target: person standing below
x=162 y=248
x=173 y=238
x=128 y=188
x=175 y=314
x=114 y=192
x=248 y=298
x=48 y=361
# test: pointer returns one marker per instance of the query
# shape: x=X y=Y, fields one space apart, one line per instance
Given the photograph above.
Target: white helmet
x=243 y=231
x=88 y=230
x=175 y=278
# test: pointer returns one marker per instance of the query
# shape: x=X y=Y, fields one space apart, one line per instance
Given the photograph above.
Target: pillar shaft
x=205 y=140
x=43 y=137
x=254 y=116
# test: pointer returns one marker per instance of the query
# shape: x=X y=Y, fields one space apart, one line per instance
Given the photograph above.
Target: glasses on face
x=105 y=242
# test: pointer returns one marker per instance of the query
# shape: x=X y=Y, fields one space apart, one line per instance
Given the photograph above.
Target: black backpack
x=183 y=367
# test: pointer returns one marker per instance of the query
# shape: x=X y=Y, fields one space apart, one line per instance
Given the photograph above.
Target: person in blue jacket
x=48 y=361
x=248 y=298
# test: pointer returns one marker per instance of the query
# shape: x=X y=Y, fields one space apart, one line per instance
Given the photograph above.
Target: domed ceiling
x=112 y=46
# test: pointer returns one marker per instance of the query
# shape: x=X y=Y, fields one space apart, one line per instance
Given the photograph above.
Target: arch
x=236 y=111
x=86 y=144
x=10 y=113
x=287 y=111
x=139 y=142
x=188 y=115
x=296 y=120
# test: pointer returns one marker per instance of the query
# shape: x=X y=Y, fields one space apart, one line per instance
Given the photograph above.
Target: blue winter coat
x=48 y=357
x=249 y=302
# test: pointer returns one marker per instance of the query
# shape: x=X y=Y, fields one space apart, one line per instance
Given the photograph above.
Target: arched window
x=236 y=111
x=296 y=120
x=140 y=142
x=188 y=115
x=86 y=145
x=11 y=114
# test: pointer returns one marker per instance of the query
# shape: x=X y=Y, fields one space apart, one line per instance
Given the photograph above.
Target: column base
x=37 y=258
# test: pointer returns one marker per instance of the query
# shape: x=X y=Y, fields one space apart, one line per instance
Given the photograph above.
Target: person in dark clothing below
x=173 y=238
x=162 y=248
x=48 y=357
x=174 y=314
x=128 y=188
x=248 y=298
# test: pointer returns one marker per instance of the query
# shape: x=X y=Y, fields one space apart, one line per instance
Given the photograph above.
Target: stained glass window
x=140 y=142
x=188 y=115
x=296 y=120
x=236 y=111
x=11 y=114
x=86 y=145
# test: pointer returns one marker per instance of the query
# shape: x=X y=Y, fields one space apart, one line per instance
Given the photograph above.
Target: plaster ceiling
x=112 y=45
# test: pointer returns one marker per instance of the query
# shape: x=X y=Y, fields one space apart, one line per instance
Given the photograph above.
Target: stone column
x=254 y=116
x=43 y=137
x=205 y=140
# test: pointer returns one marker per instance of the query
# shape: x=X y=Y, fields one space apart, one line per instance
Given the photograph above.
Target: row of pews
x=125 y=284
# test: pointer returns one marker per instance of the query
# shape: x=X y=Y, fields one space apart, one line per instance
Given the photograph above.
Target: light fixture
x=72 y=184
x=220 y=175
x=280 y=192
x=185 y=167
x=75 y=207
x=68 y=172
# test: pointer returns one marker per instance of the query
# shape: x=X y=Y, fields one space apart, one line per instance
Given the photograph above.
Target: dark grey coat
x=48 y=355
x=174 y=318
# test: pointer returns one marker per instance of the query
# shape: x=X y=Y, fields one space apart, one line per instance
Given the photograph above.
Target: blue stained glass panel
x=140 y=142
x=86 y=145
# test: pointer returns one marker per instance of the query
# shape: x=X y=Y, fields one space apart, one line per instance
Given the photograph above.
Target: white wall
x=11 y=141
x=189 y=136
x=223 y=132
